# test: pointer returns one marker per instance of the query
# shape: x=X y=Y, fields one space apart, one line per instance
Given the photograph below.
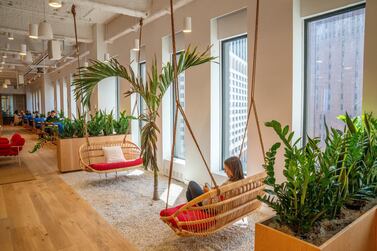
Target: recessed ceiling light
x=55 y=3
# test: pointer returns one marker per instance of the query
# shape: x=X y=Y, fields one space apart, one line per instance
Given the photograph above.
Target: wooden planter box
x=68 y=150
x=360 y=235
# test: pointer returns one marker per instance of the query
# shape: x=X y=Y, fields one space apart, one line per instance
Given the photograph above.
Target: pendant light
x=55 y=3
x=187 y=25
x=5 y=55
x=136 y=45
x=5 y=86
x=33 y=31
x=45 y=31
x=23 y=50
x=28 y=59
x=44 y=28
x=107 y=57
x=10 y=36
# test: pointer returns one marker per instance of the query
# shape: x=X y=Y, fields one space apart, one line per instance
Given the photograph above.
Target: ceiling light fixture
x=45 y=31
x=23 y=50
x=29 y=58
x=44 y=28
x=3 y=62
x=5 y=86
x=7 y=82
x=33 y=31
x=136 y=45
x=187 y=25
x=5 y=55
x=10 y=36
x=55 y=3
x=107 y=57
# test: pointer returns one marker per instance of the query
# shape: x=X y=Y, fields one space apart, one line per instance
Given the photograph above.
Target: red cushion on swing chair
x=186 y=216
x=116 y=165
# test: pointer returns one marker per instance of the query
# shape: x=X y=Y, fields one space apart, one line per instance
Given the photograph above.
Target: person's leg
x=193 y=190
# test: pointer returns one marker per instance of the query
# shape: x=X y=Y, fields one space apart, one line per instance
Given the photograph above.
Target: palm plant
x=152 y=93
x=108 y=122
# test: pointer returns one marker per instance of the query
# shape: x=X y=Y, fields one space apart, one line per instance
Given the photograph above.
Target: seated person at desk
x=52 y=117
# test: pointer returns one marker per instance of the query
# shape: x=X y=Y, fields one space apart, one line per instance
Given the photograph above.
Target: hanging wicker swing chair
x=92 y=157
x=224 y=205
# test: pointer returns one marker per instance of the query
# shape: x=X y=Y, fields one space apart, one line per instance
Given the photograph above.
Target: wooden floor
x=46 y=214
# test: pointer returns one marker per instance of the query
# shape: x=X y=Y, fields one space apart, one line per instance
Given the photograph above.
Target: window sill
x=177 y=161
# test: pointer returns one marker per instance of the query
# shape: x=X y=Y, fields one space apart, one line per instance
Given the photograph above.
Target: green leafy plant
x=79 y=125
x=152 y=93
x=108 y=128
x=320 y=182
x=96 y=124
x=298 y=200
x=68 y=129
x=122 y=125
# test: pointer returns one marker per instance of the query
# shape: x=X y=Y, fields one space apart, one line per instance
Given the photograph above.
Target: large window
x=179 y=151
x=234 y=97
x=108 y=95
x=334 y=69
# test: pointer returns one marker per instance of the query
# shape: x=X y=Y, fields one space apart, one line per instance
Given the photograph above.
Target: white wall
x=274 y=74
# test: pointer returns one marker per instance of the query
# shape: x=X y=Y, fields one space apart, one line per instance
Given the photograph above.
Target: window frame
x=307 y=21
x=222 y=80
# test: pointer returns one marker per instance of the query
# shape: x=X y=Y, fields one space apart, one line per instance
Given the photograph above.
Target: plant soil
x=325 y=229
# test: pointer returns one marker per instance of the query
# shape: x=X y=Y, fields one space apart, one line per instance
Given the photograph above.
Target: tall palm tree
x=152 y=92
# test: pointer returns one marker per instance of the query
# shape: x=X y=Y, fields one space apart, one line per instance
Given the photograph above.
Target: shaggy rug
x=125 y=202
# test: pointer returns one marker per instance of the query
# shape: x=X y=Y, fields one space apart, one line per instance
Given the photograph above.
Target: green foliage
x=122 y=125
x=108 y=128
x=152 y=93
x=96 y=124
x=297 y=201
x=79 y=125
x=319 y=183
x=68 y=129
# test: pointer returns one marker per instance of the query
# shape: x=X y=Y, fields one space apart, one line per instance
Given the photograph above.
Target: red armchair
x=13 y=147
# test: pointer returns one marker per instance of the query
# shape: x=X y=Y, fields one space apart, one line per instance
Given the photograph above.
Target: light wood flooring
x=46 y=214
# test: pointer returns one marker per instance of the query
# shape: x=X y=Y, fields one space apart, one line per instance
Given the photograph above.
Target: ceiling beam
x=154 y=16
x=113 y=8
x=56 y=36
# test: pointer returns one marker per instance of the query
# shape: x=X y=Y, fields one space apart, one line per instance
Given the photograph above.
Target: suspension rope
x=252 y=105
x=180 y=109
x=136 y=105
x=73 y=10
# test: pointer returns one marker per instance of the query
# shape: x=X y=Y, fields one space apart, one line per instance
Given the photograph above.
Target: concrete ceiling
x=16 y=15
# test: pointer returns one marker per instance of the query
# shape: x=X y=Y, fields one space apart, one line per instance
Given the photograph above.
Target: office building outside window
x=179 y=151
x=234 y=97
x=334 y=69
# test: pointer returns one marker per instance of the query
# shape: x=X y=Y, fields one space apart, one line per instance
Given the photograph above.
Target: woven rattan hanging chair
x=221 y=206
x=92 y=157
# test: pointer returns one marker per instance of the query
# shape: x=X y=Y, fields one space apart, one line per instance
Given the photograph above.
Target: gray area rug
x=125 y=202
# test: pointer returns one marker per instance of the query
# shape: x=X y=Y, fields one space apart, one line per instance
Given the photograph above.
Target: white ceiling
x=16 y=15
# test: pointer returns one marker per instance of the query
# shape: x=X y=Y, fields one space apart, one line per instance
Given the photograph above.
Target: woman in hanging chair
x=233 y=169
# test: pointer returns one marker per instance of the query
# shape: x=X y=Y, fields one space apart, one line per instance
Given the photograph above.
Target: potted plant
x=315 y=206
x=152 y=93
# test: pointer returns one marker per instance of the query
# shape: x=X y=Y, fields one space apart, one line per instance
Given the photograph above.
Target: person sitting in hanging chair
x=234 y=171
